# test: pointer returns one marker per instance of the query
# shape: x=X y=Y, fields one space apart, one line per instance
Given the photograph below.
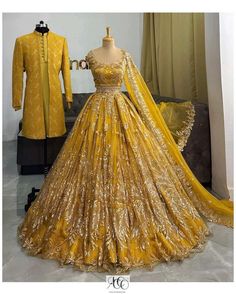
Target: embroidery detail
x=118 y=196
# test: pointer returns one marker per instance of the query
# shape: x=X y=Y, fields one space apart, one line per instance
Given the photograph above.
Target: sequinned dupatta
x=218 y=211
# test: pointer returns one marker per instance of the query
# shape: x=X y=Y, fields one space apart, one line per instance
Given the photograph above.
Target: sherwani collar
x=39 y=34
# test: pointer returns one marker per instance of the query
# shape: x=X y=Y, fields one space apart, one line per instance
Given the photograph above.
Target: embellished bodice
x=107 y=76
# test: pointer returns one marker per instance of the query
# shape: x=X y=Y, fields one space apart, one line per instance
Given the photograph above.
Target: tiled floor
x=215 y=263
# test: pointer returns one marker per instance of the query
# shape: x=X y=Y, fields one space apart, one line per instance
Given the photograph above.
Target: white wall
x=84 y=31
x=226 y=23
x=219 y=55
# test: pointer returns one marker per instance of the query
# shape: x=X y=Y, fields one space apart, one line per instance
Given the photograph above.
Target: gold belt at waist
x=107 y=89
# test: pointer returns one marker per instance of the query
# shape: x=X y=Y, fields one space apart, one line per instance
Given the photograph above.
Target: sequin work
x=120 y=195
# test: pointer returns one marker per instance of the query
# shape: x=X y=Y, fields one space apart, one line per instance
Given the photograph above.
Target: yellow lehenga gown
x=120 y=195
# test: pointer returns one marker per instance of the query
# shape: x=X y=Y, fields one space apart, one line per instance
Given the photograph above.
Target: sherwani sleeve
x=66 y=72
x=17 y=75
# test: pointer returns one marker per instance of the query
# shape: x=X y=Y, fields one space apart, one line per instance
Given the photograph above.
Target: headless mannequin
x=43 y=28
x=108 y=53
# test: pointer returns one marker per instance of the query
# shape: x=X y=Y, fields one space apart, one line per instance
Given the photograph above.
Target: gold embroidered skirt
x=113 y=199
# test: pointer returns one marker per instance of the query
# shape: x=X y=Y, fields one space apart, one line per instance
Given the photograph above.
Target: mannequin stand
x=34 y=192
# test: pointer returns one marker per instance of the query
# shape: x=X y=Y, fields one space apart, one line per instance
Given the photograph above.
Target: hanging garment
x=42 y=57
x=120 y=195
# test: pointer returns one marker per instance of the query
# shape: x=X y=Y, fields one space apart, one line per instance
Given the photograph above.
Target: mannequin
x=108 y=53
x=42 y=28
x=120 y=195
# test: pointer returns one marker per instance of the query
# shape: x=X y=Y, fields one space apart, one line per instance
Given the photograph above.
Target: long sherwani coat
x=27 y=58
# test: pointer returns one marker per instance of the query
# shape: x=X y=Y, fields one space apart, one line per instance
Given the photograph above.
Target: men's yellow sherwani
x=42 y=57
